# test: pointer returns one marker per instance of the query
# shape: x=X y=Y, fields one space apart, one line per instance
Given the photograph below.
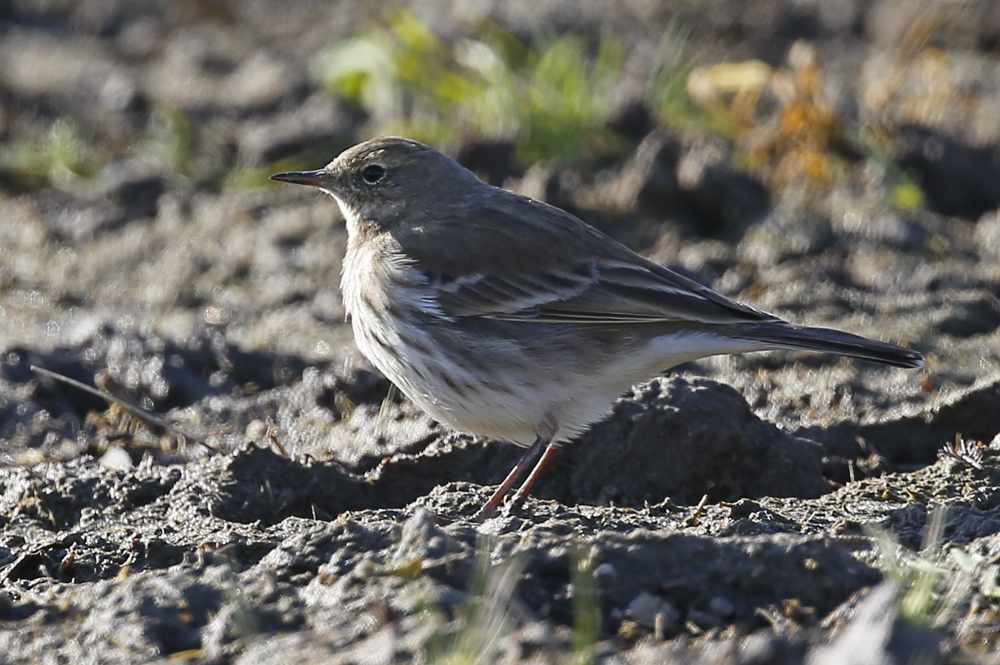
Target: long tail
x=833 y=341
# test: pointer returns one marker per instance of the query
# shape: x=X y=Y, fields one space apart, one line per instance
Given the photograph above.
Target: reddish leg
x=551 y=450
x=527 y=462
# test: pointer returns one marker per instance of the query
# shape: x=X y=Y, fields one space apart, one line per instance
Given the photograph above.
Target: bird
x=505 y=317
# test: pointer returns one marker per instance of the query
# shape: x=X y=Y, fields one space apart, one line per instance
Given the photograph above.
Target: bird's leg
x=551 y=450
x=527 y=462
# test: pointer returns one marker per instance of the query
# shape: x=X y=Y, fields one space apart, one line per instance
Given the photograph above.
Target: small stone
x=652 y=612
x=116 y=459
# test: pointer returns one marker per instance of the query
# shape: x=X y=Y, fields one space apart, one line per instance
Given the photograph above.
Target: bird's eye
x=372 y=173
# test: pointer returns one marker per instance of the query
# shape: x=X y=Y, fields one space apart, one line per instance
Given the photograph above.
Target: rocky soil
x=769 y=508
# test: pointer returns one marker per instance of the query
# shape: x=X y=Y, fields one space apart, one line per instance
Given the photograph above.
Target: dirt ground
x=768 y=508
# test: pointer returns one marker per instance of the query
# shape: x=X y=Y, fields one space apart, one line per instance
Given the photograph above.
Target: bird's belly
x=484 y=380
x=453 y=390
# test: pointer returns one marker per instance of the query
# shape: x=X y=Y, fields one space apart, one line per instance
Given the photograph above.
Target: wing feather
x=554 y=269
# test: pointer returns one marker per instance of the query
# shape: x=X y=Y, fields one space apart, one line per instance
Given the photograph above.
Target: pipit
x=508 y=318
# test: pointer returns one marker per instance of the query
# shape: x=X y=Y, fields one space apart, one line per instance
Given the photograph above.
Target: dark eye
x=373 y=173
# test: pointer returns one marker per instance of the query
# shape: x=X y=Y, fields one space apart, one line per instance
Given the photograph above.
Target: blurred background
x=834 y=161
x=221 y=93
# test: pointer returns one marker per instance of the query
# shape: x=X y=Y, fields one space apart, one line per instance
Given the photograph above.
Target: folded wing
x=555 y=269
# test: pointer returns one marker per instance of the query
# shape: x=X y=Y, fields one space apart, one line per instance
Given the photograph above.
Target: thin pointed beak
x=317 y=178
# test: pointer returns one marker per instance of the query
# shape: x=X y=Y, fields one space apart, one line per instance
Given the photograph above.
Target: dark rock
x=785 y=234
x=915 y=440
x=959 y=180
x=134 y=186
x=633 y=122
x=684 y=438
x=696 y=187
x=492 y=160
x=977 y=316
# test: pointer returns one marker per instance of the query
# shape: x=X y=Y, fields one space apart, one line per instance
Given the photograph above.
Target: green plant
x=551 y=100
x=903 y=192
x=932 y=583
x=486 y=617
x=172 y=138
x=667 y=87
x=586 y=609
x=60 y=158
x=565 y=103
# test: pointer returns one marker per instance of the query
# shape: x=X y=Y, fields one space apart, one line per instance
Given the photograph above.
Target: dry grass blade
x=966 y=451
x=137 y=411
